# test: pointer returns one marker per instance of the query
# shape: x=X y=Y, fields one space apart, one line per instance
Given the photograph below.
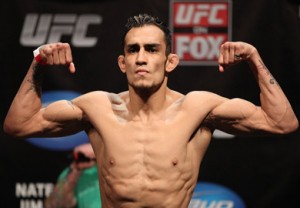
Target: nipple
x=174 y=162
x=111 y=162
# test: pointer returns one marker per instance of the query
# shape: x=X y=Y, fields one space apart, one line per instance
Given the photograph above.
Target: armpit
x=208 y=122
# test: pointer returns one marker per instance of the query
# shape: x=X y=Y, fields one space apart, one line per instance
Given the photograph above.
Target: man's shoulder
x=194 y=97
x=201 y=95
x=202 y=99
x=92 y=98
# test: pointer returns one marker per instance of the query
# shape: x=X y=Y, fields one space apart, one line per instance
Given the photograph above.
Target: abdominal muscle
x=147 y=172
x=136 y=184
x=141 y=191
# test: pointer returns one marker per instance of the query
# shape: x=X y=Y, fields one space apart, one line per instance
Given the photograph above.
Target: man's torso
x=150 y=162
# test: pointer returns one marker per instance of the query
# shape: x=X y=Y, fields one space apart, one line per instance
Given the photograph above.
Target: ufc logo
x=201 y=14
x=48 y=28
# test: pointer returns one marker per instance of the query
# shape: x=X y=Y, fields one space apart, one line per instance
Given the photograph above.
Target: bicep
x=239 y=116
x=59 y=118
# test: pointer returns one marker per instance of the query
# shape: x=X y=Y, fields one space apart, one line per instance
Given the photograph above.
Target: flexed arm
x=275 y=114
x=26 y=117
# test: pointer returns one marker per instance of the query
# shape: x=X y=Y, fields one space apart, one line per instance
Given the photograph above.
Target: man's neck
x=147 y=105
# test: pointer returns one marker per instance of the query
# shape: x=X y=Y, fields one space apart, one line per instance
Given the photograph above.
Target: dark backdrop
x=263 y=171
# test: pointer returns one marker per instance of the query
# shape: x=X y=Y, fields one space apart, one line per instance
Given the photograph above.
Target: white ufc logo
x=48 y=28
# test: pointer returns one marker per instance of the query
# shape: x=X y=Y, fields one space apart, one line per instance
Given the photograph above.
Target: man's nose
x=141 y=58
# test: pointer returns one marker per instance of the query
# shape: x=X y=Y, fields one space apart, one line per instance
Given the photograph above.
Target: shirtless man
x=150 y=140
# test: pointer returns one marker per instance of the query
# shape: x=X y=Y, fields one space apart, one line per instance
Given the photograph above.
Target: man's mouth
x=142 y=71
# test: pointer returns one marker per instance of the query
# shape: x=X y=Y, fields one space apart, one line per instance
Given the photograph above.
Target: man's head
x=143 y=20
x=147 y=59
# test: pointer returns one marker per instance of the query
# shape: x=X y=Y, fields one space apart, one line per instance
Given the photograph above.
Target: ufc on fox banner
x=199 y=28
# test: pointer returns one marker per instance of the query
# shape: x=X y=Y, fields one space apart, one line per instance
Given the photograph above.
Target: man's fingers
x=231 y=54
x=68 y=53
x=72 y=67
x=57 y=54
x=223 y=57
x=225 y=53
x=55 y=51
x=41 y=54
x=61 y=53
x=221 y=68
x=48 y=56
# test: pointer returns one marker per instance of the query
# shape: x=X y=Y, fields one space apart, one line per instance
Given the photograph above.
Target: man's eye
x=152 y=50
x=133 y=49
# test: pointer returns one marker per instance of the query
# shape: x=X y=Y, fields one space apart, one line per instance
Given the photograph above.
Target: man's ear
x=121 y=62
x=172 y=62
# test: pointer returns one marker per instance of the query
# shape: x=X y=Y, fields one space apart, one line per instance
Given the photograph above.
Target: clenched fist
x=57 y=54
x=234 y=52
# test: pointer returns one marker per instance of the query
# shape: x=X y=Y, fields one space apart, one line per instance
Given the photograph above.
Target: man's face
x=145 y=58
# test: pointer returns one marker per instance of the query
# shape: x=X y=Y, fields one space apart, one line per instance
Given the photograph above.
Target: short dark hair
x=146 y=19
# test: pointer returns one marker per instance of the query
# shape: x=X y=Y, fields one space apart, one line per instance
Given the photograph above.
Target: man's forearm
x=27 y=101
x=273 y=100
